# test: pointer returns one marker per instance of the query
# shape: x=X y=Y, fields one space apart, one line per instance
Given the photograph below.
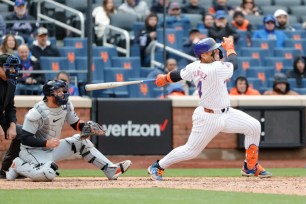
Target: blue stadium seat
x=97 y=69
x=247 y=62
x=105 y=53
x=287 y=3
x=130 y=63
x=263 y=43
x=261 y=73
x=271 y=9
x=144 y=71
x=143 y=90
x=304 y=83
x=292 y=83
x=277 y=62
x=174 y=38
x=71 y=54
x=296 y=44
x=75 y=42
x=296 y=35
x=116 y=74
x=301 y=91
x=257 y=83
x=137 y=27
x=53 y=65
x=287 y=53
x=255 y=52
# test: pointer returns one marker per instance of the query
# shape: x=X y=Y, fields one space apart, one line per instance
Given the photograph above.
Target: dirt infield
x=275 y=185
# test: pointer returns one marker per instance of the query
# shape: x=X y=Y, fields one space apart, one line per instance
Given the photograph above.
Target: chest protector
x=51 y=121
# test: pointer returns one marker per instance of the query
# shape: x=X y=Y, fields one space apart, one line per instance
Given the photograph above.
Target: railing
x=168 y=49
x=107 y=32
x=80 y=32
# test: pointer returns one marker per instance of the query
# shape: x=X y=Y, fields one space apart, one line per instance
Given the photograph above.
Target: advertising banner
x=134 y=126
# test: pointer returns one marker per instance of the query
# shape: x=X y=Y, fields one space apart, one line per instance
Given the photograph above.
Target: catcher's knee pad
x=251 y=156
x=42 y=172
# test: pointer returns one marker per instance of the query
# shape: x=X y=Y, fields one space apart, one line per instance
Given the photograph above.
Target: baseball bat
x=108 y=85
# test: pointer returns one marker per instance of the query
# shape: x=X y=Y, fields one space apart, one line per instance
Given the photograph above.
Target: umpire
x=9 y=67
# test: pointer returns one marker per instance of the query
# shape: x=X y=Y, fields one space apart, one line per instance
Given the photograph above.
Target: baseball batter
x=214 y=114
x=40 y=143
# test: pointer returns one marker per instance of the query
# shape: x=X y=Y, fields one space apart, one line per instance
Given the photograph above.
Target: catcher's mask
x=207 y=45
x=12 y=66
x=48 y=90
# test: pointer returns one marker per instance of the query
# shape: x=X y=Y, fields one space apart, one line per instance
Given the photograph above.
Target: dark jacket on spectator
x=48 y=51
x=24 y=29
x=194 y=9
x=295 y=73
x=218 y=33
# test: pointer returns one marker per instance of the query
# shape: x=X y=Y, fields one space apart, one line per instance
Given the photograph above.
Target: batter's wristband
x=230 y=51
x=169 y=78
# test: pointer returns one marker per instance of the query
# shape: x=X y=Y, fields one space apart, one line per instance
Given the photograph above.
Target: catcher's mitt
x=92 y=128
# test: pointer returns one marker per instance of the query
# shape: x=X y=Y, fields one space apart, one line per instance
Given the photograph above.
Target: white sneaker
x=114 y=173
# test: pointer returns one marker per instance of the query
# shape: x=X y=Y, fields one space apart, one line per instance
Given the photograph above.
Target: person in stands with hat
x=42 y=46
x=20 y=22
x=280 y=86
x=270 y=32
x=282 y=21
x=222 y=28
x=242 y=87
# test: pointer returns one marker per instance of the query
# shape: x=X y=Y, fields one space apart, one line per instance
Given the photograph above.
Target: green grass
x=224 y=172
x=153 y=195
x=142 y=196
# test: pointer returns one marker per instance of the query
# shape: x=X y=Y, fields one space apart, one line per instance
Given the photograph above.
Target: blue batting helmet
x=205 y=45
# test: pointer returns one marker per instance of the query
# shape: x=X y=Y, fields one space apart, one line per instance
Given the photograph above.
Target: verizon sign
x=135 y=126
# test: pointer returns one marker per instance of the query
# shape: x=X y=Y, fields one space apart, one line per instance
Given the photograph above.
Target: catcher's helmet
x=49 y=88
x=206 y=45
x=9 y=62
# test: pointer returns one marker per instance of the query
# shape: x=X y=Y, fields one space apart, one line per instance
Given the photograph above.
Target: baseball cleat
x=121 y=167
x=258 y=170
x=156 y=172
x=11 y=174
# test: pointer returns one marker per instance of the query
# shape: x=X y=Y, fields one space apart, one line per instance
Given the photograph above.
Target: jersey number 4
x=199 y=87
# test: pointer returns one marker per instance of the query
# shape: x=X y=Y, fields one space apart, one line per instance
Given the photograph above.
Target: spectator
x=282 y=22
x=222 y=28
x=9 y=45
x=29 y=83
x=175 y=16
x=158 y=6
x=29 y=63
x=242 y=87
x=171 y=64
x=248 y=7
x=21 y=23
x=194 y=7
x=299 y=71
x=2 y=26
x=73 y=89
x=280 y=86
x=146 y=37
x=269 y=32
x=221 y=5
x=240 y=23
x=101 y=16
x=194 y=37
x=42 y=46
x=138 y=8
x=208 y=22
x=175 y=89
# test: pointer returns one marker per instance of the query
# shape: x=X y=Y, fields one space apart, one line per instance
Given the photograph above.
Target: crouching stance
x=41 y=147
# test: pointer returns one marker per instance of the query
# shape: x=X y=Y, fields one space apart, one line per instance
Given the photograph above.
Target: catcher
x=41 y=147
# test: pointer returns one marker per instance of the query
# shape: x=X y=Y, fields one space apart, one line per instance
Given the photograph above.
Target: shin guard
x=251 y=156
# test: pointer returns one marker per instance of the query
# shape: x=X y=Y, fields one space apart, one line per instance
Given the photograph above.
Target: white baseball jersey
x=210 y=80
